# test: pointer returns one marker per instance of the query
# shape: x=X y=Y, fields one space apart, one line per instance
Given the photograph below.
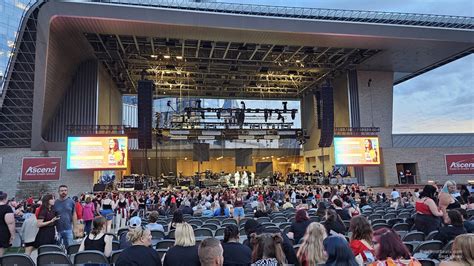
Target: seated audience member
x=210 y=252
x=97 y=239
x=207 y=212
x=470 y=203
x=333 y=223
x=311 y=251
x=177 y=219
x=268 y=250
x=184 y=252
x=453 y=229
x=187 y=208
x=462 y=252
x=234 y=252
x=133 y=223
x=468 y=224
x=428 y=216
x=361 y=239
x=343 y=213
x=287 y=204
x=261 y=210
x=153 y=225
x=321 y=211
x=140 y=252
x=338 y=252
x=298 y=227
x=253 y=226
x=390 y=250
x=222 y=210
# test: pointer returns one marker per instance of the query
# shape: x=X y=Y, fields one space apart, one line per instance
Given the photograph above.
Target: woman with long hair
x=177 y=219
x=116 y=155
x=338 y=252
x=184 y=252
x=428 y=215
x=47 y=218
x=261 y=210
x=390 y=250
x=446 y=199
x=267 y=250
x=462 y=251
x=98 y=239
x=107 y=210
x=333 y=223
x=88 y=212
x=311 y=251
x=361 y=239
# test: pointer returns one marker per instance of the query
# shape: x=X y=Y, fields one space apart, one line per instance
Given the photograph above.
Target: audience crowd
x=262 y=226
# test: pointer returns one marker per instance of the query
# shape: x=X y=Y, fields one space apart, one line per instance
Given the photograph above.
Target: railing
x=97 y=129
x=14 y=50
x=356 y=131
x=428 y=20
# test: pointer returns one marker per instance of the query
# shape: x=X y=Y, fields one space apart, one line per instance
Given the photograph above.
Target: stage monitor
x=357 y=150
x=97 y=152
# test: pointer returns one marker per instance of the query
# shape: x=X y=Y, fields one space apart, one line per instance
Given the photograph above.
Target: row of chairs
x=59 y=258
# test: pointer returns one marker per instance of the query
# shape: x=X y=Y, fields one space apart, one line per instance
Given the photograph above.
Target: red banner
x=460 y=164
x=41 y=169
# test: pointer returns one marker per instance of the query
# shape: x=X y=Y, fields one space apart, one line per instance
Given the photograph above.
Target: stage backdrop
x=41 y=169
x=460 y=164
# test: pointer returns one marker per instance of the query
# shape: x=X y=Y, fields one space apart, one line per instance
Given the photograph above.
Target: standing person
x=122 y=212
x=446 y=199
x=107 y=210
x=139 y=253
x=237 y=178
x=65 y=210
x=7 y=223
x=239 y=209
x=428 y=215
x=311 y=251
x=47 y=221
x=88 y=213
x=234 y=252
x=184 y=252
x=97 y=239
x=361 y=239
x=29 y=229
x=210 y=252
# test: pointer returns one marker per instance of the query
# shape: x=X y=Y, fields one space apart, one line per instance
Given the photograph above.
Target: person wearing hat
x=133 y=223
x=253 y=226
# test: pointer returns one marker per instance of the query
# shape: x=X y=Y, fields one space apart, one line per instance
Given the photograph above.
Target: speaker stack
x=145 y=109
x=201 y=152
x=327 y=116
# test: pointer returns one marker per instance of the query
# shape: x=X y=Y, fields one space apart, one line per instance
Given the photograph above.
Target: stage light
x=166 y=57
x=179 y=57
x=297 y=61
x=153 y=56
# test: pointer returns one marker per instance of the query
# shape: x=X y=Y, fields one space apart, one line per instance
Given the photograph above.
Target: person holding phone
x=47 y=218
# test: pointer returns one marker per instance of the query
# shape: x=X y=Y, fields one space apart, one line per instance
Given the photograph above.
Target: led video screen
x=356 y=150
x=97 y=153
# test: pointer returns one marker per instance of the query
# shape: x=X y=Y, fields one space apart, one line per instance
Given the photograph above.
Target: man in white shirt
x=237 y=178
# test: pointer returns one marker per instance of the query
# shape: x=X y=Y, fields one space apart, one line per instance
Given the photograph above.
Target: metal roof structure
x=432 y=140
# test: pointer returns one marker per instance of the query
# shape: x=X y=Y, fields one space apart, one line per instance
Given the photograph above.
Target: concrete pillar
x=375 y=92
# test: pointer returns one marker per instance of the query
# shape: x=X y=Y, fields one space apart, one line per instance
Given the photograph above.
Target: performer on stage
x=252 y=178
x=237 y=178
x=245 y=179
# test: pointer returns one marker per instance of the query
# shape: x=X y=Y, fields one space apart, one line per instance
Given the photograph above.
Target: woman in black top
x=333 y=223
x=234 y=252
x=140 y=253
x=177 y=219
x=7 y=223
x=451 y=231
x=185 y=251
x=46 y=222
x=97 y=239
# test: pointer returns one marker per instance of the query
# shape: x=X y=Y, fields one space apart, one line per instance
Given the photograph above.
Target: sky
x=440 y=101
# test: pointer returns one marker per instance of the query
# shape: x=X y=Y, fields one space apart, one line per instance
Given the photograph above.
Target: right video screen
x=357 y=150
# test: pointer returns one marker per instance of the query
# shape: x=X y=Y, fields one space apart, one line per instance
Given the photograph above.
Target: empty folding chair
x=378 y=226
x=73 y=249
x=219 y=232
x=401 y=227
x=203 y=232
x=49 y=248
x=53 y=258
x=430 y=245
x=414 y=236
x=212 y=227
x=164 y=244
x=90 y=257
x=431 y=235
x=17 y=260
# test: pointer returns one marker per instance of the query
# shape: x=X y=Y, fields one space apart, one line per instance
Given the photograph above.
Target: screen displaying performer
x=99 y=152
x=357 y=150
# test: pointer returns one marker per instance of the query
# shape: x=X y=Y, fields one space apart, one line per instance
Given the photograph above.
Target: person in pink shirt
x=88 y=214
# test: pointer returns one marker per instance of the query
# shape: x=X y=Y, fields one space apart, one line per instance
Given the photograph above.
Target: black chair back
x=164 y=244
x=17 y=260
x=53 y=258
x=49 y=248
x=73 y=249
x=115 y=255
x=90 y=257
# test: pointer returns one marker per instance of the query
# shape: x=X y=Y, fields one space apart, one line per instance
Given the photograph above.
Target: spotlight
x=166 y=57
x=179 y=57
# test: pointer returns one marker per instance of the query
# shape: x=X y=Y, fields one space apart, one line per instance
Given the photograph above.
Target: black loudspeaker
x=145 y=109
x=243 y=157
x=98 y=187
x=327 y=118
x=201 y=152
